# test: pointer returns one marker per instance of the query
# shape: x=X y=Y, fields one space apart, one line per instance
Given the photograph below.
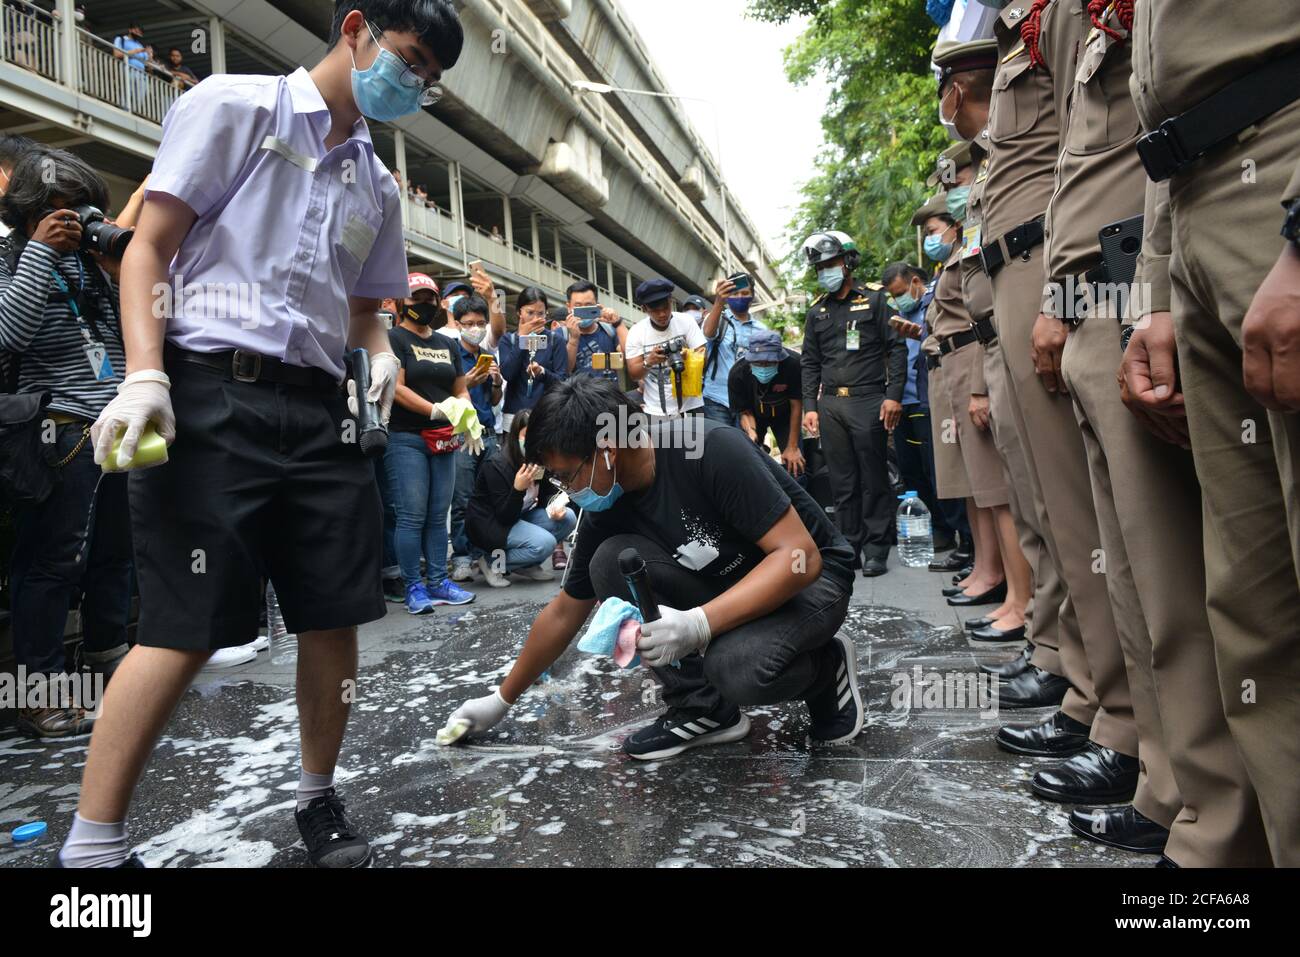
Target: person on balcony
x=182 y=76
x=132 y=49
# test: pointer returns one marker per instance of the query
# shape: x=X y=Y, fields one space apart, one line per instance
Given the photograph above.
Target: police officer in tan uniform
x=1037 y=47
x=1219 y=99
x=1147 y=500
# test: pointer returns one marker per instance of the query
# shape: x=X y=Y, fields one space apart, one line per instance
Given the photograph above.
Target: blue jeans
x=534 y=537
x=718 y=412
x=421 y=484
x=467 y=467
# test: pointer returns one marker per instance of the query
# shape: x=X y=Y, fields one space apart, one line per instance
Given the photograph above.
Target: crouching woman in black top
x=507 y=519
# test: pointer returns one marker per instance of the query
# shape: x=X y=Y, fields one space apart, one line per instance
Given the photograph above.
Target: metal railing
x=29 y=38
x=107 y=74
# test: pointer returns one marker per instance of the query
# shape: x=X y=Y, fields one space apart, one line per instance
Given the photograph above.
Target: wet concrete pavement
x=923 y=786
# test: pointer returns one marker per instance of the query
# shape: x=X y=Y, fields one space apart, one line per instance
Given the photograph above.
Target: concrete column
x=217 y=45
x=68 y=43
x=631 y=295
x=609 y=275
x=509 y=232
x=399 y=160
x=458 y=210
x=559 y=259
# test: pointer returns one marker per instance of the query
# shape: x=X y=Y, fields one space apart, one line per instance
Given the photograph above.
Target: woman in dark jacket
x=506 y=518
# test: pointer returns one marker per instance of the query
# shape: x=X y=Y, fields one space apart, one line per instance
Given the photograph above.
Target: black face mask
x=421 y=313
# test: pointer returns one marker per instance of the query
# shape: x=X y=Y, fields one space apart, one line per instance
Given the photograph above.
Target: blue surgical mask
x=831 y=278
x=763 y=374
x=587 y=324
x=378 y=90
x=937 y=249
x=739 y=305
x=905 y=303
x=957 y=197
x=590 y=501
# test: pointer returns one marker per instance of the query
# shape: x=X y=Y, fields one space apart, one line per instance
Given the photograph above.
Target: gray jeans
x=782 y=656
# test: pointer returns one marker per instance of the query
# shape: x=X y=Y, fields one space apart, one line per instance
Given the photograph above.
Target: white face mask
x=950 y=125
x=474 y=335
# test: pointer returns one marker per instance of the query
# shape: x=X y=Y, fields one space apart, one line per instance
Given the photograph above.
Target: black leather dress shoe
x=1033 y=688
x=1009 y=669
x=1123 y=827
x=1058 y=737
x=994 y=596
x=956 y=561
x=874 y=567
x=973 y=624
x=949 y=592
x=1166 y=861
x=964 y=573
x=996 y=634
x=1095 y=775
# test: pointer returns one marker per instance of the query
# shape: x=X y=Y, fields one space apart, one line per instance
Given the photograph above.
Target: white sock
x=311 y=786
x=92 y=844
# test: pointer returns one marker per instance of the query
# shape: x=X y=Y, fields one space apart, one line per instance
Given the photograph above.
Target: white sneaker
x=490 y=575
x=462 y=571
x=537 y=573
x=260 y=644
x=231 y=657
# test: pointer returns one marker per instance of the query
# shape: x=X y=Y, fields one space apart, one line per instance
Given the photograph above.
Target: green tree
x=881 y=124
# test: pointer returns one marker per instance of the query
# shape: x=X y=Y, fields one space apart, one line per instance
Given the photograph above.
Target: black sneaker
x=395 y=591
x=676 y=731
x=329 y=837
x=837 y=713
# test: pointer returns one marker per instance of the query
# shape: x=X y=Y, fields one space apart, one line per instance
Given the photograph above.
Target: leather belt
x=931 y=362
x=1087 y=280
x=852 y=392
x=1017 y=242
x=63 y=418
x=1181 y=140
x=240 y=366
x=950 y=344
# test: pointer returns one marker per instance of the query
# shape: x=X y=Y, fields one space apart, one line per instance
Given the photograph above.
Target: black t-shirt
x=769 y=404
x=714 y=496
x=432 y=366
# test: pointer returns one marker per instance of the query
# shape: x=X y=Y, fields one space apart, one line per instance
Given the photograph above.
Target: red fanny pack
x=441 y=441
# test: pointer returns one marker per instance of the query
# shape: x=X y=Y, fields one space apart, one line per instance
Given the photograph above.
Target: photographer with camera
x=60 y=325
x=728 y=331
x=531 y=360
x=656 y=349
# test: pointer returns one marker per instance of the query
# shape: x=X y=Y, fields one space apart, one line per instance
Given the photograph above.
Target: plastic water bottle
x=915 y=537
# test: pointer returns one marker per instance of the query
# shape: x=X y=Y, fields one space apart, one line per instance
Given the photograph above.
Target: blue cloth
x=130 y=45
x=421 y=484
x=479 y=395
x=513 y=361
x=728 y=345
x=602 y=634
x=940 y=11
x=533 y=538
x=916 y=360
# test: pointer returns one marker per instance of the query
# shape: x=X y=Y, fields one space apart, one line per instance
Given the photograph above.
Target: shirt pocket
x=355 y=236
x=1103 y=113
x=1015 y=99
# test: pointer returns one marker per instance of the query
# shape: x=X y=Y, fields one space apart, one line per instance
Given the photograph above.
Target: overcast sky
x=707 y=48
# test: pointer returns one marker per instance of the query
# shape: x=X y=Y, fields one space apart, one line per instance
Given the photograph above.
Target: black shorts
x=259 y=484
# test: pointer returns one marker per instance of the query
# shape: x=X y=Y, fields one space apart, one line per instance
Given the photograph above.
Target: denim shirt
x=730 y=342
x=479 y=395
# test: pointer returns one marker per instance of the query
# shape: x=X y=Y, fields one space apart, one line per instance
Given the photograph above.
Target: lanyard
x=72 y=300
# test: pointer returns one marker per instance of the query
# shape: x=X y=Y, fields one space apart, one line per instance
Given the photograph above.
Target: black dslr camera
x=98 y=235
x=675 y=350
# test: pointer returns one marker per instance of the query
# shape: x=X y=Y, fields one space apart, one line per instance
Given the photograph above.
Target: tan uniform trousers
x=1149 y=510
x=1225 y=240
x=1050 y=435
x=1043 y=610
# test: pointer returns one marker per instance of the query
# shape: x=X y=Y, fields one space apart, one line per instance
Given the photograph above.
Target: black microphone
x=374 y=434
x=633 y=567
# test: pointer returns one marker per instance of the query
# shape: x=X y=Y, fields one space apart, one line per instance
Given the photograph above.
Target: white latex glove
x=481 y=713
x=143 y=397
x=676 y=635
x=475 y=445
x=384 y=367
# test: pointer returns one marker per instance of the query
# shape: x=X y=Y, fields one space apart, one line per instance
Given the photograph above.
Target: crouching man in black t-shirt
x=753 y=581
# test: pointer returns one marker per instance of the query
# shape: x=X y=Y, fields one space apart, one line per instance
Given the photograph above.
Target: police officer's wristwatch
x=1291 y=226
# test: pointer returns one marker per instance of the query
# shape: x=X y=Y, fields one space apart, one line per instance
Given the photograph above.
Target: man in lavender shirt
x=269 y=235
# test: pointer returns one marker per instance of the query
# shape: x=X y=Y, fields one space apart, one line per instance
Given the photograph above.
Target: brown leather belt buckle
x=842 y=392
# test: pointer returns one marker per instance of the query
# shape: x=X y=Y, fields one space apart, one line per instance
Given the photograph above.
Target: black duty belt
x=1181 y=140
x=1018 y=242
x=1086 y=280
x=850 y=391
x=241 y=366
x=931 y=362
x=950 y=344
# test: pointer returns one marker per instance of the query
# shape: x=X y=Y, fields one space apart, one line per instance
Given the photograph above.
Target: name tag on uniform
x=971 y=241
x=358 y=236
x=852 y=339
x=865 y=306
